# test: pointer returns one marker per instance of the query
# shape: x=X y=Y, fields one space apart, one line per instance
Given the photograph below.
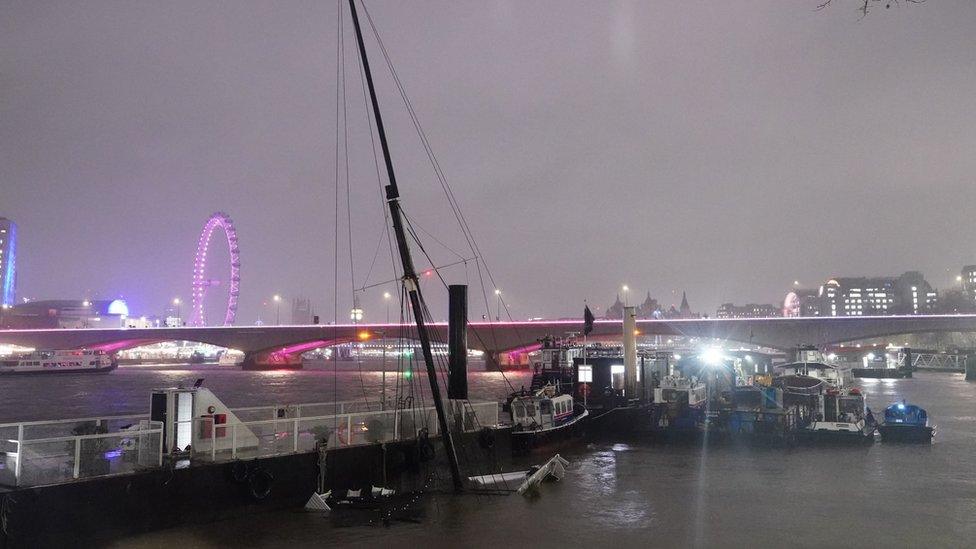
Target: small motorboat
x=841 y=416
x=905 y=423
x=544 y=418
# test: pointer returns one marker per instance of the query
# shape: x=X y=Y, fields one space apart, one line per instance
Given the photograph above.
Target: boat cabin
x=907 y=414
x=680 y=391
x=836 y=375
x=841 y=407
x=541 y=412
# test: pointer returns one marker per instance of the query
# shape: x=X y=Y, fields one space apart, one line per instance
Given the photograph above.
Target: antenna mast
x=410 y=280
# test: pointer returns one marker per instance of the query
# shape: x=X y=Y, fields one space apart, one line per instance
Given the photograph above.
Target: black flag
x=587 y=320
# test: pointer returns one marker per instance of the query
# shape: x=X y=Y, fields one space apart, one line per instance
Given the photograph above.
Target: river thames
x=625 y=493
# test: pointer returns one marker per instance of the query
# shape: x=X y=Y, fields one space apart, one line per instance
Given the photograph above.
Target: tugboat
x=905 y=423
x=842 y=417
x=543 y=419
x=679 y=406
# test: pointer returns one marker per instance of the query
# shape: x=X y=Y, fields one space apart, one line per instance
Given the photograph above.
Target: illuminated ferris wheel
x=202 y=280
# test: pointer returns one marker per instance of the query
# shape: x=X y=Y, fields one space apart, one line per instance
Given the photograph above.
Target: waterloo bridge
x=503 y=342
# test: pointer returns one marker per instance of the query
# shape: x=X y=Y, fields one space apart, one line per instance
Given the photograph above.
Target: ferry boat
x=841 y=416
x=60 y=362
x=905 y=422
x=544 y=419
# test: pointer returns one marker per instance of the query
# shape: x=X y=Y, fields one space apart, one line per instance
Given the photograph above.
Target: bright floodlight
x=86 y=303
x=176 y=301
x=831 y=356
x=677 y=356
x=625 y=288
x=386 y=295
x=870 y=356
x=712 y=356
x=277 y=297
x=498 y=292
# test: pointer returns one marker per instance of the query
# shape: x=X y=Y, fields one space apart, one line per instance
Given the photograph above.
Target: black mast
x=409 y=274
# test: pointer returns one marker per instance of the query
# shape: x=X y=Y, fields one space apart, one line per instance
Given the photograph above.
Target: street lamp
x=179 y=310
x=626 y=289
x=386 y=298
x=277 y=300
x=498 y=304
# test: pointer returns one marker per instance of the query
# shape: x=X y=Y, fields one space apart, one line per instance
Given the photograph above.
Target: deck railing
x=288 y=435
x=35 y=453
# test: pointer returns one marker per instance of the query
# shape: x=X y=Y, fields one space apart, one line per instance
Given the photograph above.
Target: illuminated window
x=586 y=374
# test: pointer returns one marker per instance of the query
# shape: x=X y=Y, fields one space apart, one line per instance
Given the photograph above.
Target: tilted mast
x=410 y=280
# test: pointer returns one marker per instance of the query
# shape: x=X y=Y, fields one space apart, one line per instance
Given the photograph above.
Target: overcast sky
x=723 y=148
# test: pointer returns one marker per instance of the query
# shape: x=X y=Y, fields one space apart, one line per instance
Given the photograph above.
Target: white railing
x=288 y=435
x=312 y=409
x=39 y=452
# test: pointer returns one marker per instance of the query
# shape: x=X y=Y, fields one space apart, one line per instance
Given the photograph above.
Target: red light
x=429 y=272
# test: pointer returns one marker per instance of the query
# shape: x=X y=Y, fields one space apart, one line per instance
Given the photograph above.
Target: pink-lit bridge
x=503 y=342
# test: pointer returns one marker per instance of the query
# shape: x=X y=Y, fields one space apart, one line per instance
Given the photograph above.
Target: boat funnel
x=457 y=377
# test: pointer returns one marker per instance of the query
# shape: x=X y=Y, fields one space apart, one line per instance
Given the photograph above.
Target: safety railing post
x=77 y=468
x=295 y=436
x=233 y=440
x=213 y=440
x=396 y=424
x=160 y=444
x=20 y=453
x=348 y=430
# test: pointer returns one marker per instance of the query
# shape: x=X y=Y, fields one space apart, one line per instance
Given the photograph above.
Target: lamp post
x=498 y=305
x=626 y=290
x=179 y=310
x=277 y=300
x=386 y=298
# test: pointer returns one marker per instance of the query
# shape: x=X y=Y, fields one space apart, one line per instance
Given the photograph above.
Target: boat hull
x=59 y=371
x=906 y=433
x=526 y=442
x=824 y=436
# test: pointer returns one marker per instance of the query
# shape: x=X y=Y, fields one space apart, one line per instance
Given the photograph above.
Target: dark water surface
x=620 y=494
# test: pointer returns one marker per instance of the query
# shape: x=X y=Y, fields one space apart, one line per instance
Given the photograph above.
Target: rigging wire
x=442 y=179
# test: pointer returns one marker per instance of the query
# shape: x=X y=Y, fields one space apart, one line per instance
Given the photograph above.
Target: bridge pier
x=264 y=360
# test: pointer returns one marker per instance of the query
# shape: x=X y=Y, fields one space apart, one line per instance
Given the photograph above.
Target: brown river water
x=623 y=493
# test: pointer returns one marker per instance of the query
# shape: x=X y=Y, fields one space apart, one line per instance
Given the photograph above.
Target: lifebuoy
x=425 y=449
x=583 y=390
x=260 y=482
x=486 y=438
x=238 y=472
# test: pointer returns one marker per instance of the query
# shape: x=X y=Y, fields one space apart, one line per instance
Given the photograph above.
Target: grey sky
x=724 y=148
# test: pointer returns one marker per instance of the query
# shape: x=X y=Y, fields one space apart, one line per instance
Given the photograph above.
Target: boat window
x=585 y=374
x=518 y=410
x=545 y=406
x=530 y=409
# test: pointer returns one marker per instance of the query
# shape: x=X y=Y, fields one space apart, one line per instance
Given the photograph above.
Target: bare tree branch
x=864 y=5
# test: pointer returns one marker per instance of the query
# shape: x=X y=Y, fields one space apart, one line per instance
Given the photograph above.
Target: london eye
x=203 y=281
